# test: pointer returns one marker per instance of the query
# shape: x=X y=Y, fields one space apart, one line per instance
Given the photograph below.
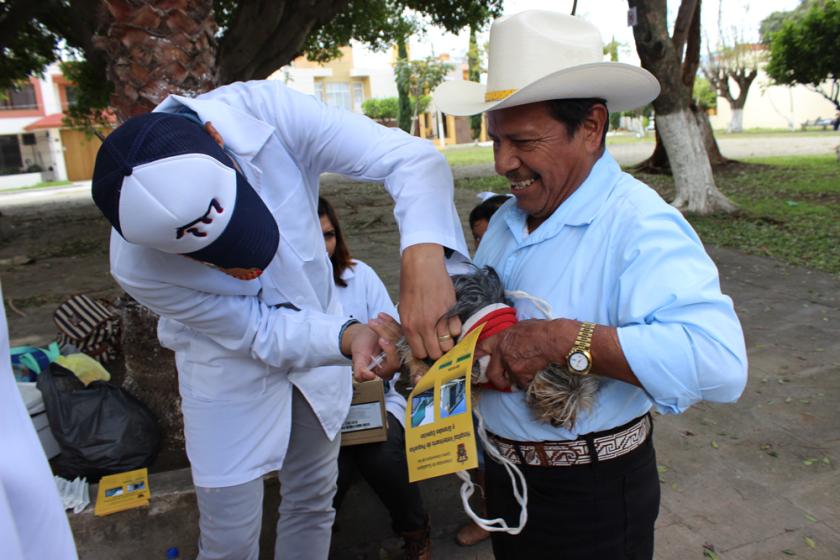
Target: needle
x=379 y=358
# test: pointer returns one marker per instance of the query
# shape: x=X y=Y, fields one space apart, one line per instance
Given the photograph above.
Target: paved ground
x=754 y=480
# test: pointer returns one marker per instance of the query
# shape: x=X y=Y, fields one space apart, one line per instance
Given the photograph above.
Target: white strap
x=542 y=305
x=520 y=491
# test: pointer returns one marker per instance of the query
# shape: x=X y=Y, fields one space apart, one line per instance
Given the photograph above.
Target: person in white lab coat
x=230 y=179
x=33 y=524
x=383 y=465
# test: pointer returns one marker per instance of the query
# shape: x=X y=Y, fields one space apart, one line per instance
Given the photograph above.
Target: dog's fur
x=555 y=395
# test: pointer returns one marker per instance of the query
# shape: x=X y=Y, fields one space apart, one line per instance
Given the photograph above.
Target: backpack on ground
x=91 y=325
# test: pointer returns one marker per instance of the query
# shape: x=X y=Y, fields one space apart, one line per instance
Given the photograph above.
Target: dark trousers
x=384 y=468
x=600 y=511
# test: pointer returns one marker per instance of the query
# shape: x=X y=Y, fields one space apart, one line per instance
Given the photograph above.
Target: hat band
x=498 y=94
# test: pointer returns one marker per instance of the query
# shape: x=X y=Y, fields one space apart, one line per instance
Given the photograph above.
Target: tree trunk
x=154 y=49
x=150 y=375
x=404 y=108
x=736 y=121
x=693 y=179
x=716 y=159
x=157 y=48
x=474 y=74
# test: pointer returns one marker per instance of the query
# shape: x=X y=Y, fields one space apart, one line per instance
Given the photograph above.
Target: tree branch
x=685 y=15
x=264 y=35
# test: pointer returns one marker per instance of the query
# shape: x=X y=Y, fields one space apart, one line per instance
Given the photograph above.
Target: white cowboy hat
x=539 y=55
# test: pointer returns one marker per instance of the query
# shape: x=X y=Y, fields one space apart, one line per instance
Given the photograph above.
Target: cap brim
x=623 y=86
x=251 y=237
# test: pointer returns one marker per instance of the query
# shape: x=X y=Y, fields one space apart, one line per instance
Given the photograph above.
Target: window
x=18 y=98
x=319 y=90
x=10 y=160
x=358 y=96
x=71 y=93
x=338 y=95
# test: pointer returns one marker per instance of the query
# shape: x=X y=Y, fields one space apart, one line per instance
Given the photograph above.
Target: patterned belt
x=574 y=452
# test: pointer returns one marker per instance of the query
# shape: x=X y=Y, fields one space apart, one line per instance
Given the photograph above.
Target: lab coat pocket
x=218 y=376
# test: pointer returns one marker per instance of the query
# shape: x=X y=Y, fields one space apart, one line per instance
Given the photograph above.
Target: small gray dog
x=555 y=395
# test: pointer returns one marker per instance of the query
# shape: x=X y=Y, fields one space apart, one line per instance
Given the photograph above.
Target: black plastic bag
x=101 y=428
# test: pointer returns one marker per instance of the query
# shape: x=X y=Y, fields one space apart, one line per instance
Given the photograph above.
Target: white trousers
x=230 y=518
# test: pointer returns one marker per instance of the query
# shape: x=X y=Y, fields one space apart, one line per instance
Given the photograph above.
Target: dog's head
x=472 y=292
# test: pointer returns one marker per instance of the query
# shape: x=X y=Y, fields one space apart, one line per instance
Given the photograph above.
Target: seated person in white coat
x=383 y=465
x=213 y=201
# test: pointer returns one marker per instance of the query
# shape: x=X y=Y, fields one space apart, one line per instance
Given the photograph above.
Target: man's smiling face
x=543 y=164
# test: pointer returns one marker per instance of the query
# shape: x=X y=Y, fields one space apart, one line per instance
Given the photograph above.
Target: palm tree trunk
x=158 y=47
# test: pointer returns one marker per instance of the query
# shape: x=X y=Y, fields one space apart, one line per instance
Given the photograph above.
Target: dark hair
x=340 y=258
x=487 y=208
x=572 y=112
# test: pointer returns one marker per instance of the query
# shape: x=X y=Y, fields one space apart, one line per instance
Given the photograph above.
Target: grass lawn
x=41 y=185
x=789 y=208
x=472 y=155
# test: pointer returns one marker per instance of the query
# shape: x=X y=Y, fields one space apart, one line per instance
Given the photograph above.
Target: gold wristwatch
x=579 y=358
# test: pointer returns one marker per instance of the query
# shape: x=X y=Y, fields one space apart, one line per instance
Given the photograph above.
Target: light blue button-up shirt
x=614 y=253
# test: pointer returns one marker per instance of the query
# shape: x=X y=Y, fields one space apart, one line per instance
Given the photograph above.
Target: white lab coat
x=33 y=525
x=241 y=346
x=365 y=297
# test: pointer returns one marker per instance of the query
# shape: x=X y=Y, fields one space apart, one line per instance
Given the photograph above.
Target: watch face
x=578 y=361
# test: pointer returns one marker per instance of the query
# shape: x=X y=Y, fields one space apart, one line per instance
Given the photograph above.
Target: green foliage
x=474 y=70
x=381 y=109
x=611 y=49
x=774 y=22
x=419 y=78
x=404 y=110
x=789 y=210
x=89 y=110
x=31 y=31
x=380 y=23
x=805 y=50
x=27 y=46
x=704 y=94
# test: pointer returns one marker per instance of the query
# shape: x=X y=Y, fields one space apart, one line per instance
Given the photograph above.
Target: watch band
x=583 y=340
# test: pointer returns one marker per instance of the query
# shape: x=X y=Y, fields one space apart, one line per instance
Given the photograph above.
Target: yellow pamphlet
x=122 y=491
x=439 y=433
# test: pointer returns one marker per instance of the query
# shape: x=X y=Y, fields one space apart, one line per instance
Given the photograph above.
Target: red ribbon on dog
x=494 y=322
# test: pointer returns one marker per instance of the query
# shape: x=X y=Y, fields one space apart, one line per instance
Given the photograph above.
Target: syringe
x=379 y=358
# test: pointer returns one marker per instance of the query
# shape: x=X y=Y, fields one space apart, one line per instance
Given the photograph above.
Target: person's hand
x=363 y=344
x=426 y=294
x=517 y=354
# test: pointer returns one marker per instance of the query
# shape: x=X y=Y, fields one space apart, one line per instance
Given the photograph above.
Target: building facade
x=773 y=106
x=35 y=144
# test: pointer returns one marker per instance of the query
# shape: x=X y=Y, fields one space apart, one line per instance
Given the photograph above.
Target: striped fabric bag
x=92 y=326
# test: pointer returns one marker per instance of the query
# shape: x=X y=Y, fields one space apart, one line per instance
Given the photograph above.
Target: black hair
x=340 y=258
x=487 y=208
x=572 y=113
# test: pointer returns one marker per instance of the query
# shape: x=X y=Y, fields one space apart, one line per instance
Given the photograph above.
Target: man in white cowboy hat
x=213 y=202
x=635 y=298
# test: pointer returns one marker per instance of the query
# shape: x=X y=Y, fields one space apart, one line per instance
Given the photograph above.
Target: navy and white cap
x=164 y=183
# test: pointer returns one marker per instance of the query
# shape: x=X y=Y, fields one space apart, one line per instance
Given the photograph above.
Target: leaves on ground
x=709 y=552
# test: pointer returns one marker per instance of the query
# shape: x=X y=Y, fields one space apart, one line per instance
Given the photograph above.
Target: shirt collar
x=579 y=209
x=243 y=134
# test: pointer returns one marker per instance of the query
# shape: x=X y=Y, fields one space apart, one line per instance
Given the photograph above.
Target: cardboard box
x=366 y=421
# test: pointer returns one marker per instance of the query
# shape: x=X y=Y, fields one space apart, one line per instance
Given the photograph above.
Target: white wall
x=771 y=106
x=378 y=66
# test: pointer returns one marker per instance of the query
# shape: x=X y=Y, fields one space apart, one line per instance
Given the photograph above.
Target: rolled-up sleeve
x=679 y=333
